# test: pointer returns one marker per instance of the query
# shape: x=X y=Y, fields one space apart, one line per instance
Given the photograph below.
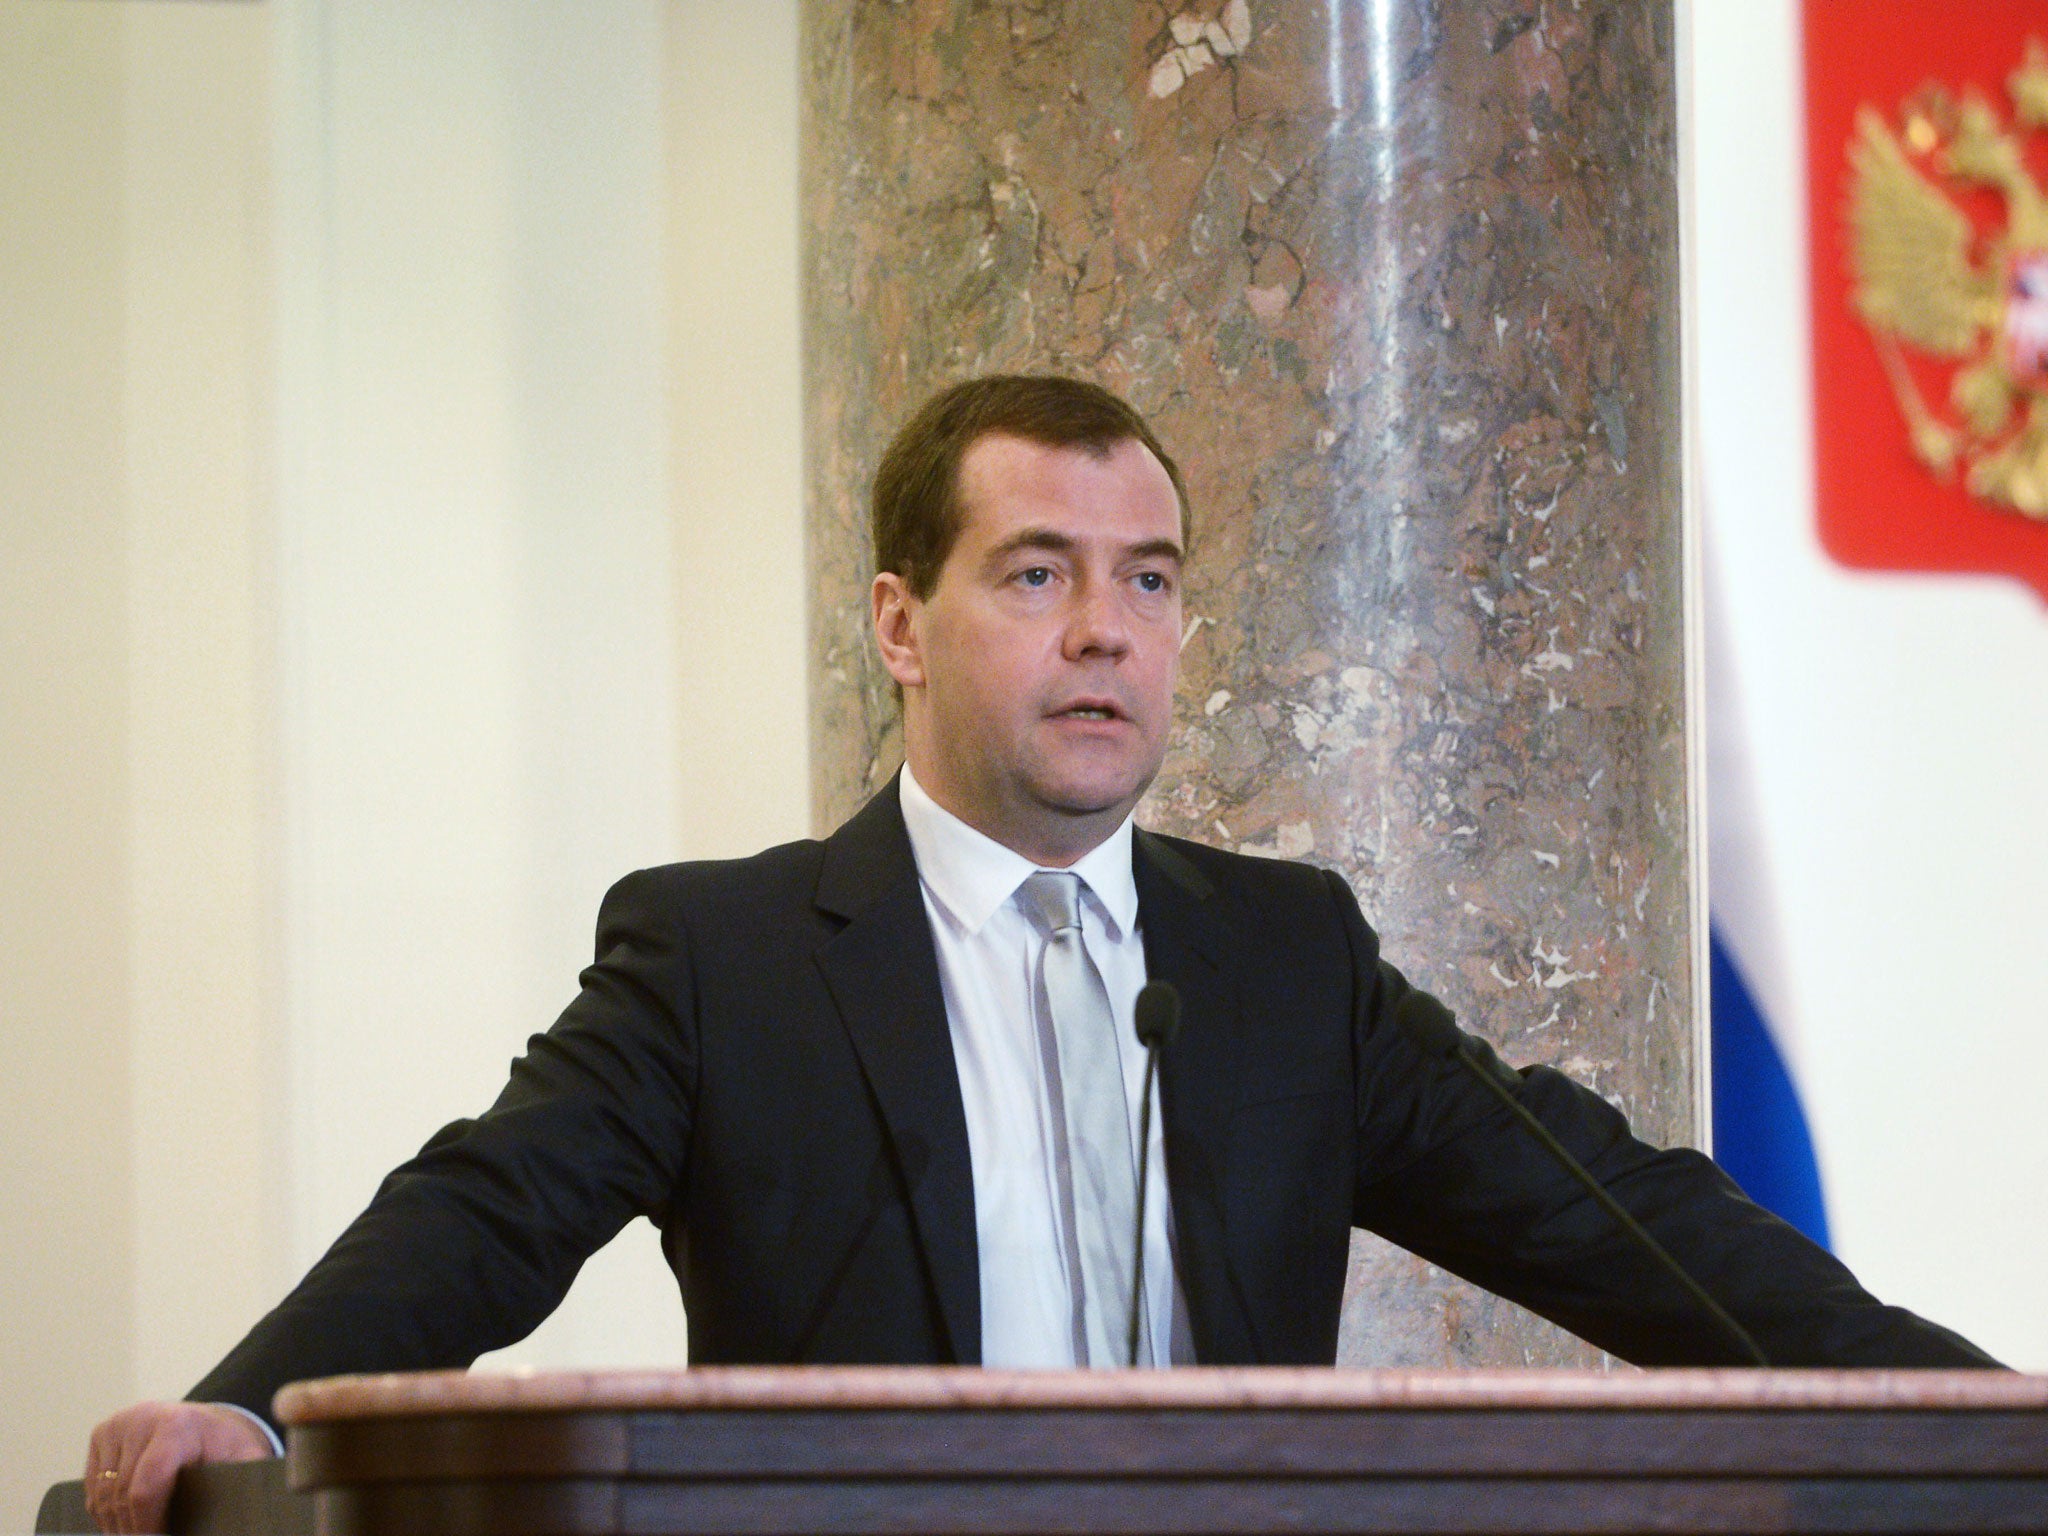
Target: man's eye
x=1151 y=581
x=1035 y=576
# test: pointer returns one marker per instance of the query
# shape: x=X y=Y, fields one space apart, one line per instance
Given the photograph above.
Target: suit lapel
x=1188 y=943
x=883 y=973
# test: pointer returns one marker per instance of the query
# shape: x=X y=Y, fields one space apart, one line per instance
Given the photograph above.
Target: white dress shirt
x=988 y=958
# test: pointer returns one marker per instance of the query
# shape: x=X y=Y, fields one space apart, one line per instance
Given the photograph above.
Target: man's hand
x=135 y=1457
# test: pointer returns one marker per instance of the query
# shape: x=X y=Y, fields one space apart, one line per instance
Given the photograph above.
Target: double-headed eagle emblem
x=1937 y=272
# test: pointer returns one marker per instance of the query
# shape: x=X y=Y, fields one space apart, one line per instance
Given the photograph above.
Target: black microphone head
x=1427 y=1023
x=1158 y=1014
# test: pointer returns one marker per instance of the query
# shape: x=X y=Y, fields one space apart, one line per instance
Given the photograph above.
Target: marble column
x=1397 y=281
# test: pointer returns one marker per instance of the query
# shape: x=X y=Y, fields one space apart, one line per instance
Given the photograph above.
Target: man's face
x=1038 y=676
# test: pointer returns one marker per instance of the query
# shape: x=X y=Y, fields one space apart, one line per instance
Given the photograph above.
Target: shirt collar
x=971 y=874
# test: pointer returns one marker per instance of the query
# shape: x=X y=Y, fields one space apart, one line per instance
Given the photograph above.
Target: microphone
x=1157 y=1021
x=1430 y=1027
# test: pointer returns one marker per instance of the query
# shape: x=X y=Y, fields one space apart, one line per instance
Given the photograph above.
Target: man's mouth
x=1090 y=710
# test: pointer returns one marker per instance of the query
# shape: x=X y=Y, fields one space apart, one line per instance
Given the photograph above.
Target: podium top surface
x=342 y=1398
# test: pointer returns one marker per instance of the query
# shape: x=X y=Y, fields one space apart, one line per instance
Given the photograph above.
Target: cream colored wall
x=737 y=421
x=403 y=542
x=539 y=529
x=67 y=1325
x=134 y=945
x=205 y=1060
x=738 y=772
x=479 y=678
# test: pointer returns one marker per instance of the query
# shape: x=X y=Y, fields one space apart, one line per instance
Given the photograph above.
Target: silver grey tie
x=1101 y=1172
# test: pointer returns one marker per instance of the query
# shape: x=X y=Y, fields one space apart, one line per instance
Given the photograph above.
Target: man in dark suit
x=845 y=1077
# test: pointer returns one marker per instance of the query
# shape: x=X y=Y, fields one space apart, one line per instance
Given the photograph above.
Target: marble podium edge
x=341 y=1398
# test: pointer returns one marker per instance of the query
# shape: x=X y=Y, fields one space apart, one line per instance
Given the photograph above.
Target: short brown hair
x=917 y=510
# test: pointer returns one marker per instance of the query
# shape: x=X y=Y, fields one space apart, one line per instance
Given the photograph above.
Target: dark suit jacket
x=759 y=1061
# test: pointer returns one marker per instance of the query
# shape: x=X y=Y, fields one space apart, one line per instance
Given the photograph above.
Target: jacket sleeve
x=470 y=1244
x=1447 y=1173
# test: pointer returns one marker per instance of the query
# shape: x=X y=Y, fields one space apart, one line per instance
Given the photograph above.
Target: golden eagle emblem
x=1949 y=244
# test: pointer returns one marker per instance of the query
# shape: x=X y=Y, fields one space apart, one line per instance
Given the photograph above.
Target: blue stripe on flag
x=1760 y=1133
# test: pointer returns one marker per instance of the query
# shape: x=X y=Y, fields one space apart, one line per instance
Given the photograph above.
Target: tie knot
x=1052 y=900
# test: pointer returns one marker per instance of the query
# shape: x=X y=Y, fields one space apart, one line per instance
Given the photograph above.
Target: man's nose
x=1097 y=624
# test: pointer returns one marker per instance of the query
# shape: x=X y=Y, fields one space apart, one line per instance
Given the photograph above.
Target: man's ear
x=897 y=614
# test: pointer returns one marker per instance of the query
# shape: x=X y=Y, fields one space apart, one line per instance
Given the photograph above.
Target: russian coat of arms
x=1948 y=244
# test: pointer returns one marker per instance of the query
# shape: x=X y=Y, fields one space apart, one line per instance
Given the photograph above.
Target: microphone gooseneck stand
x=1156 y=1023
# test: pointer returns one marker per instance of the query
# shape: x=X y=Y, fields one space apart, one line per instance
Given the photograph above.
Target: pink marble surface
x=857 y=1387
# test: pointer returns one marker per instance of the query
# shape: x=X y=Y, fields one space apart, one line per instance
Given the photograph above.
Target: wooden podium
x=843 y=1450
